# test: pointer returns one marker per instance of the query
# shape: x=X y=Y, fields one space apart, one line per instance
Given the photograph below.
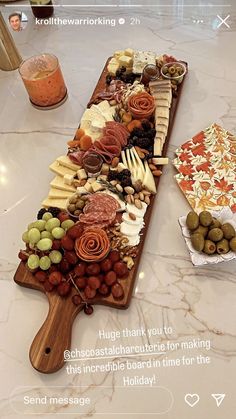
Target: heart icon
x=191 y=399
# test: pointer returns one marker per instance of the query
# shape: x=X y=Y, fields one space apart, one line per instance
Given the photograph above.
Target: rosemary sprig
x=111 y=188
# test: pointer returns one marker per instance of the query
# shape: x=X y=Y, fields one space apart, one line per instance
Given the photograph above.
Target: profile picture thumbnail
x=17 y=21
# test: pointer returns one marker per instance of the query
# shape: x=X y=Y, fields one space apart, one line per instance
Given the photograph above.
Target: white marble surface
x=195 y=302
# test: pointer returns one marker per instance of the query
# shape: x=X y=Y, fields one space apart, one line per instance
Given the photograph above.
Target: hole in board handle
x=47 y=351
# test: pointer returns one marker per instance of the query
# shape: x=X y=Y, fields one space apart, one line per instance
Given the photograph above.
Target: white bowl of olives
x=210 y=236
x=75 y=204
x=174 y=71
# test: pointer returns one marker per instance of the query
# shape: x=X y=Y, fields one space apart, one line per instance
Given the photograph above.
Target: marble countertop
x=195 y=302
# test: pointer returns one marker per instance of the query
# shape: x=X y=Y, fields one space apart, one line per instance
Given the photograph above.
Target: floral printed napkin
x=207 y=169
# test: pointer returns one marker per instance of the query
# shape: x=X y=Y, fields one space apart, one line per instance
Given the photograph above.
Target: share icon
x=218 y=398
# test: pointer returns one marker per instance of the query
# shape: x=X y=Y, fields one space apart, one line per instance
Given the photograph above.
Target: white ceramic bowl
x=199 y=258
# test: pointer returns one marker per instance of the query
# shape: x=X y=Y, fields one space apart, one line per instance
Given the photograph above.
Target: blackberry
x=143 y=142
x=137 y=132
x=151 y=133
x=112 y=175
x=129 y=78
x=40 y=213
x=146 y=125
x=125 y=172
x=126 y=181
x=54 y=211
x=118 y=73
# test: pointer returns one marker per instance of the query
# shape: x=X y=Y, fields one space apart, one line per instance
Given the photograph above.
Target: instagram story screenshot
x=117 y=209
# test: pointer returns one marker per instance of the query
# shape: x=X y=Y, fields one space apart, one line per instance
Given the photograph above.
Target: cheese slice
x=160 y=160
x=161 y=135
x=55 y=193
x=161 y=128
x=65 y=161
x=58 y=183
x=162 y=121
x=157 y=149
x=129 y=230
x=163 y=112
x=159 y=83
x=59 y=203
x=136 y=211
x=162 y=102
x=61 y=170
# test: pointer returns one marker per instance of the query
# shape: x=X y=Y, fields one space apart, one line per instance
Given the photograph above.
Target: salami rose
x=93 y=245
x=141 y=105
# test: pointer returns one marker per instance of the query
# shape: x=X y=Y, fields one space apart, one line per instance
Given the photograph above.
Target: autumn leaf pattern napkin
x=207 y=169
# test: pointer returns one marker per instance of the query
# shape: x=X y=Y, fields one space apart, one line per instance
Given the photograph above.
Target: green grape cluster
x=39 y=237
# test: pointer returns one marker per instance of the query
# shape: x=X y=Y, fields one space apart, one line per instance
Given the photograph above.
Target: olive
x=232 y=244
x=165 y=70
x=192 y=220
x=71 y=208
x=215 y=224
x=197 y=241
x=228 y=231
x=205 y=218
x=202 y=230
x=79 y=204
x=179 y=70
x=172 y=70
x=73 y=200
x=222 y=246
x=77 y=212
x=209 y=247
x=216 y=234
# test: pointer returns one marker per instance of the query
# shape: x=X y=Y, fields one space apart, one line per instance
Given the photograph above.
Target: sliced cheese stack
x=132 y=223
x=139 y=171
x=120 y=59
x=61 y=187
x=162 y=92
x=94 y=119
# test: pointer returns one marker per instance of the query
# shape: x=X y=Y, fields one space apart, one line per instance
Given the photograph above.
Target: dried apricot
x=136 y=123
x=85 y=142
x=79 y=133
x=73 y=143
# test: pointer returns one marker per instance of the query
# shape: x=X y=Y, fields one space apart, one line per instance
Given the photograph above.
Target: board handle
x=54 y=337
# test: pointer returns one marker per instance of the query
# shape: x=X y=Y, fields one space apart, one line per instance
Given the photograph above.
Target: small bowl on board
x=178 y=74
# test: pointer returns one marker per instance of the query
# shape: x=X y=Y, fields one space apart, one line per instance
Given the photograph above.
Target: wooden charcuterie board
x=54 y=337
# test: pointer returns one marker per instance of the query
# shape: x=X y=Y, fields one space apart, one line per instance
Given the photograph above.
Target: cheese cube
x=91 y=180
x=81 y=174
x=97 y=187
x=81 y=190
x=113 y=60
x=112 y=69
x=105 y=169
x=88 y=187
x=117 y=54
x=124 y=60
x=129 y=52
x=68 y=179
